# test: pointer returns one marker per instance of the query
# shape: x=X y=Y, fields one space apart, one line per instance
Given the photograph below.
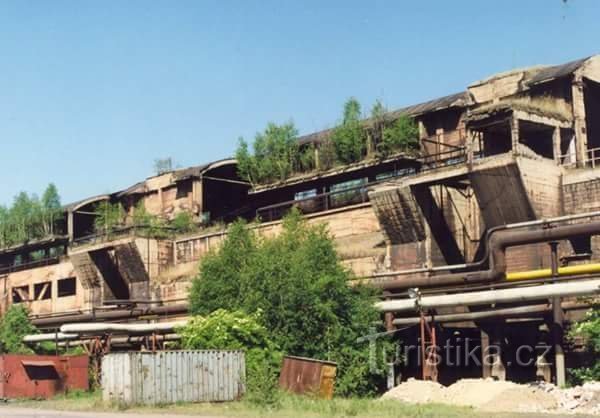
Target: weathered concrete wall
x=51 y=274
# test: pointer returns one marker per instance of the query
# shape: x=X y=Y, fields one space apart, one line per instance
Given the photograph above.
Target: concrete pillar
x=557 y=337
x=422 y=134
x=486 y=368
x=514 y=132
x=556 y=140
x=579 y=120
x=70 y=225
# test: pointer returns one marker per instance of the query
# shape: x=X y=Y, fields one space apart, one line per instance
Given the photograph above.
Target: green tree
x=163 y=165
x=109 y=216
x=14 y=325
x=275 y=154
x=183 y=222
x=298 y=283
x=401 y=135
x=349 y=138
x=223 y=330
x=51 y=208
x=589 y=329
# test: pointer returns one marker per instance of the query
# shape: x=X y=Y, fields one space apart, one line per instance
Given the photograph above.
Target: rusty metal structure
x=308 y=376
x=502 y=194
x=29 y=376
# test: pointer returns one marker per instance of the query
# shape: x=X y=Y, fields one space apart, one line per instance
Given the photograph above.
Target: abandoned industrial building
x=494 y=218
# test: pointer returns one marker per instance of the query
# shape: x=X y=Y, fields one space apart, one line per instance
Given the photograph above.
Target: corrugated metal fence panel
x=173 y=376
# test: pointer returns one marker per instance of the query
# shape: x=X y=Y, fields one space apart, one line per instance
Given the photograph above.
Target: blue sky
x=92 y=92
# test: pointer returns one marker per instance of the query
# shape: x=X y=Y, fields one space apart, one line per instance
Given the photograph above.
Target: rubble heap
x=502 y=396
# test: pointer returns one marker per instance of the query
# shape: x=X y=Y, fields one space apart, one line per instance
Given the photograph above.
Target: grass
x=289 y=406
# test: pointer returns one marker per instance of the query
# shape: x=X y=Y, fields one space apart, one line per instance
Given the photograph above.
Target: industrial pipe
x=498 y=244
x=74 y=340
x=489 y=232
x=562 y=271
x=130 y=329
x=55 y=336
x=115 y=315
x=520 y=294
x=492 y=313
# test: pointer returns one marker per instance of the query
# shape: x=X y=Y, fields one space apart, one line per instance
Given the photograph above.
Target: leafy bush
x=298 y=284
x=183 y=222
x=109 y=216
x=275 y=154
x=402 y=135
x=14 y=325
x=349 y=138
x=589 y=329
x=224 y=330
x=392 y=136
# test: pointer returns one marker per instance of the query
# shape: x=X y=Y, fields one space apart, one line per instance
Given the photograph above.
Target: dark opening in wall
x=496 y=139
x=67 y=287
x=184 y=189
x=20 y=294
x=591 y=94
x=537 y=137
x=42 y=291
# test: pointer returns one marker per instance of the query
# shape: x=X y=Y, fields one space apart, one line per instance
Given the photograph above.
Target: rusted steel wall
x=304 y=375
x=23 y=376
x=173 y=376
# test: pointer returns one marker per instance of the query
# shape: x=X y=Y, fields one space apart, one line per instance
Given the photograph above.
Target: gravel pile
x=498 y=396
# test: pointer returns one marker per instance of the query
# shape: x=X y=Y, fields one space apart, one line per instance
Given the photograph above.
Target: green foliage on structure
x=224 y=330
x=589 y=329
x=14 y=325
x=30 y=217
x=349 y=138
x=109 y=216
x=298 y=283
x=275 y=154
x=391 y=136
x=183 y=223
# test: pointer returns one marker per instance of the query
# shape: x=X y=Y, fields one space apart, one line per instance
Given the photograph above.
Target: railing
x=592 y=158
x=48 y=261
x=326 y=201
x=124 y=232
x=593 y=155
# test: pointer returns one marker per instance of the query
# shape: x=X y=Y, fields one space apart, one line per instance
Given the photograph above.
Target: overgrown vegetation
x=112 y=216
x=223 y=330
x=276 y=154
x=14 y=325
x=297 y=283
x=589 y=329
x=30 y=217
x=349 y=138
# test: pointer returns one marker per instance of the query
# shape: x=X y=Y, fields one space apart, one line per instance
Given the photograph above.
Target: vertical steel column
x=557 y=325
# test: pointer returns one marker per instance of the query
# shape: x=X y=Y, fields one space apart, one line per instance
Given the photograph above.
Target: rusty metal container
x=304 y=375
x=165 y=377
x=24 y=376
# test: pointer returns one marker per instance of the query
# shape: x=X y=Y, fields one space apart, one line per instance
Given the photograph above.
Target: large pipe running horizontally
x=488 y=234
x=130 y=329
x=498 y=244
x=521 y=294
x=114 y=315
x=488 y=314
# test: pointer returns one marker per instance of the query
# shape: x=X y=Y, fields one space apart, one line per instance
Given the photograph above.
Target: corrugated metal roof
x=555 y=71
x=446 y=102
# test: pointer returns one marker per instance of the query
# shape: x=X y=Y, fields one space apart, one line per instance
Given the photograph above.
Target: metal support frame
x=428 y=349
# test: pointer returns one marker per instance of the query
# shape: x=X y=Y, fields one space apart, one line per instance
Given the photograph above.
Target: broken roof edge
x=140 y=187
x=430 y=106
x=335 y=171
